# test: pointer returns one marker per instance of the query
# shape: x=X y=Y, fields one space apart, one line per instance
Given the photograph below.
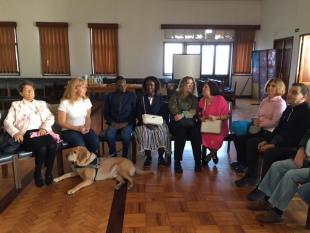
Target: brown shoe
x=260 y=205
x=269 y=217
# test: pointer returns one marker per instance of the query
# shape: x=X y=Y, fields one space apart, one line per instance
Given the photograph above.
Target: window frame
x=66 y=51
x=110 y=26
x=300 y=57
x=213 y=75
x=13 y=25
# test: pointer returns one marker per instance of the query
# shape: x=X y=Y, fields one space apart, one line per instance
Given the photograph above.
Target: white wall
x=140 y=36
x=279 y=20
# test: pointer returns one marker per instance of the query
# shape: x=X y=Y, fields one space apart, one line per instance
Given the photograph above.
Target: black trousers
x=241 y=142
x=181 y=134
x=269 y=156
x=44 y=150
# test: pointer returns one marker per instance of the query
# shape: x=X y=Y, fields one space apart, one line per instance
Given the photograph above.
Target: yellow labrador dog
x=90 y=168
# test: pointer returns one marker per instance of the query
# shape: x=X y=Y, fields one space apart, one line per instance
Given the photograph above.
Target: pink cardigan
x=270 y=111
x=17 y=119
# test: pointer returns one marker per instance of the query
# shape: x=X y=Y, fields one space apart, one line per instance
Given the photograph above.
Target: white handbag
x=149 y=119
x=209 y=126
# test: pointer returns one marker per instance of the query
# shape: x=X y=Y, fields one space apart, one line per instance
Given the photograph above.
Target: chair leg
x=228 y=148
x=102 y=148
x=134 y=151
x=16 y=171
x=5 y=171
x=60 y=162
x=308 y=218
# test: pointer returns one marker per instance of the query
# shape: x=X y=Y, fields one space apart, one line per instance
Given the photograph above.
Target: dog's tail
x=142 y=172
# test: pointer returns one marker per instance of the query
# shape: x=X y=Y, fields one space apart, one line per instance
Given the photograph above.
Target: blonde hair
x=70 y=90
x=183 y=82
x=280 y=86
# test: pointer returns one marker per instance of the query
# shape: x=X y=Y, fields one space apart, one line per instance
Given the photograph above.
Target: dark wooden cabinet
x=284 y=48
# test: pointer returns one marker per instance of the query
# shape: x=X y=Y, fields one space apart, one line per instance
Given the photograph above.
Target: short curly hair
x=153 y=79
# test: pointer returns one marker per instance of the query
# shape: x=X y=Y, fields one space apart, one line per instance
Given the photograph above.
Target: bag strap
x=143 y=104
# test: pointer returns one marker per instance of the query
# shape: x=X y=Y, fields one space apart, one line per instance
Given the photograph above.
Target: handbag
x=208 y=126
x=149 y=119
x=7 y=143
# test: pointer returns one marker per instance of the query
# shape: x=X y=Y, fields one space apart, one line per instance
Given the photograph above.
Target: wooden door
x=284 y=48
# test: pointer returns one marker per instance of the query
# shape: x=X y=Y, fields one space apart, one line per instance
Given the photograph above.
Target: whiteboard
x=186 y=65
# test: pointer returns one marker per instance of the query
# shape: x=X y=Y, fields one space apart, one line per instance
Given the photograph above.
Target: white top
x=76 y=112
x=33 y=114
x=24 y=115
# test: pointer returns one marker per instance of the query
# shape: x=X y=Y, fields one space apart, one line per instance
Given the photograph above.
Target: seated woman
x=151 y=137
x=183 y=107
x=267 y=118
x=74 y=116
x=26 y=118
x=213 y=107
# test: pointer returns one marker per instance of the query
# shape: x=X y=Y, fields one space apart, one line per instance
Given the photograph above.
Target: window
x=215 y=58
x=304 y=60
x=54 y=47
x=169 y=50
x=8 y=49
x=243 y=50
x=104 y=48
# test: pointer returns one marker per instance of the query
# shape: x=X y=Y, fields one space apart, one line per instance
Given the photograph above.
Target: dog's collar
x=94 y=164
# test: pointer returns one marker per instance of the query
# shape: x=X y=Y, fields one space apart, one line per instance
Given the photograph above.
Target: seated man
x=120 y=115
x=282 y=143
x=282 y=182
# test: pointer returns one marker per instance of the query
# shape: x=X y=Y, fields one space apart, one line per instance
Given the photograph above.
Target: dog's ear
x=82 y=155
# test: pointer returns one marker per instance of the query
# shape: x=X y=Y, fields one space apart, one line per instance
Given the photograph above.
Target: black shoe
x=178 y=167
x=49 y=179
x=161 y=161
x=246 y=181
x=241 y=168
x=38 y=181
x=255 y=195
x=234 y=164
x=148 y=161
x=215 y=159
x=205 y=160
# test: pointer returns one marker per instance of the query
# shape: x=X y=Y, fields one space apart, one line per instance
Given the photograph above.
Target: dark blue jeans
x=125 y=133
x=75 y=138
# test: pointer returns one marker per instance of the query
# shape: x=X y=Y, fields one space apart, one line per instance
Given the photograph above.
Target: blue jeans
x=75 y=138
x=304 y=192
x=125 y=133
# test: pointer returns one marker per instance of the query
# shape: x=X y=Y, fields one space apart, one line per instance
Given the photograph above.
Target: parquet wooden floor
x=206 y=202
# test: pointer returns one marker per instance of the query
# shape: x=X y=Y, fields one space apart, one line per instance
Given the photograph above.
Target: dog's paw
x=129 y=187
x=71 y=191
x=56 y=180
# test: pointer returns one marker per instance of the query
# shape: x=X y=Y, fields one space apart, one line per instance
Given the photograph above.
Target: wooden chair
x=304 y=192
x=230 y=94
x=132 y=147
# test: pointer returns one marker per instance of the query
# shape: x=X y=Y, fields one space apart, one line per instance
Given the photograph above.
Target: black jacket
x=120 y=108
x=293 y=124
x=158 y=107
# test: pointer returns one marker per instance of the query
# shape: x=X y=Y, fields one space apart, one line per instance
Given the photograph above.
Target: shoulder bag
x=149 y=119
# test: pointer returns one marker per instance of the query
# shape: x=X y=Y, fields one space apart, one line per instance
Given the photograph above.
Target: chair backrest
x=3 y=114
x=54 y=110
